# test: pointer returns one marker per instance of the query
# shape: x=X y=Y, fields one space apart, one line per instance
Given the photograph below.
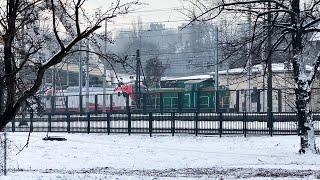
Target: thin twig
x=26 y=145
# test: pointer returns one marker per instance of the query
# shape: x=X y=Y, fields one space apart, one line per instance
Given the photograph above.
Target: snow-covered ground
x=120 y=156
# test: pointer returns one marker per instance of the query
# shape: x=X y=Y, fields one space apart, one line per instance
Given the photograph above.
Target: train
x=172 y=95
x=190 y=94
x=70 y=99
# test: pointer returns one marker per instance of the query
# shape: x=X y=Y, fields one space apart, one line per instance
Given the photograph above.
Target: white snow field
x=120 y=156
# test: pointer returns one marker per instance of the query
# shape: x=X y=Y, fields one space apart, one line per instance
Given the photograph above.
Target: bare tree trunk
x=303 y=85
x=305 y=119
x=1 y=98
x=9 y=80
x=303 y=103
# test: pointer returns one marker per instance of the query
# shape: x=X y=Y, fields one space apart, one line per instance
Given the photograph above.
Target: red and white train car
x=69 y=99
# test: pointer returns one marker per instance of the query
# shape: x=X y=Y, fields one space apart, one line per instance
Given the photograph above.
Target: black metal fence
x=166 y=123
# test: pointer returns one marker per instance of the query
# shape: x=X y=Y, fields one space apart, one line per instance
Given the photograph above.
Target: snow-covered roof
x=259 y=68
x=206 y=76
x=256 y=69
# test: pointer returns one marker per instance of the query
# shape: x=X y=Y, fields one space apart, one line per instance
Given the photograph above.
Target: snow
x=259 y=68
x=120 y=156
x=187 y=78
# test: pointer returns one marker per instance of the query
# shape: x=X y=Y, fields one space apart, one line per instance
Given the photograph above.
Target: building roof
x=260 y=69
x=195 y=81
x=206 y=76
x=256 y=69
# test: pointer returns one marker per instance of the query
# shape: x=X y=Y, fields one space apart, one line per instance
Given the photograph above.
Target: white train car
x=69 y=99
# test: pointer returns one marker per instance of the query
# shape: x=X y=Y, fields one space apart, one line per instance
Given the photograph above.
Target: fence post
x=88 y=120
x=217 y=101
x=244 y=123
x=237 y=101
x=172 y=123
x=279 y=101
x=31 y=121
x=67 y=104
x=111 y=102
x=127 y=103
x=220 y=124
x=108 y=122
x=196 y=123
x=270 y=123
x=68 y=115
x=13 y=122
x=258 y=101
x=198 y=100
x=150 y=123
x=53 y=103
x=180 y=101
x=49 y=122
x=81 y=105
x=161 y=102
x=68 y=122
x=129 y=123
x=96 y=103
x=144 y=102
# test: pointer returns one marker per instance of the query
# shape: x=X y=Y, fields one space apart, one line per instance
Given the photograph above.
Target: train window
x=188 y=87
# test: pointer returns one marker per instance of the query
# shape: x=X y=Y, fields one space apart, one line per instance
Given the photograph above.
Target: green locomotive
x=196 y=94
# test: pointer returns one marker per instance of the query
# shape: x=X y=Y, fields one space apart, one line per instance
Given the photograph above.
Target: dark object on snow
x=54 y=138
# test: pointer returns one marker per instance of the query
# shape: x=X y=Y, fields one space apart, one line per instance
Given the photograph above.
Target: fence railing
x=166 y=122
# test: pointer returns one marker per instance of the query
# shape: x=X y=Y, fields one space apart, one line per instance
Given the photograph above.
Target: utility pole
x=263 y=56
x=269 y=69
x=53 y=98
x=43 y=83
x=217 y=70
x=54 y=80
x=139 y=65
x=104 y=82
x=249 y=64
x=137 y=88
x=87 y=78
x=68 y=79
x=80 y=77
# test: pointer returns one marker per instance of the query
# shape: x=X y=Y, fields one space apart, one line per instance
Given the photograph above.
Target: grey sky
x=156 y=11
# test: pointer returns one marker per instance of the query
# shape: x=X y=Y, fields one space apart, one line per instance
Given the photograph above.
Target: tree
x=295 y=25
x=30 y=27
x=154 y=70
